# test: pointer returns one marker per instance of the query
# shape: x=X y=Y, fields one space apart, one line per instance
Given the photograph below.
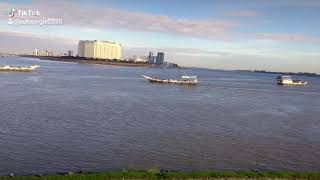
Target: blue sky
x=281 y=35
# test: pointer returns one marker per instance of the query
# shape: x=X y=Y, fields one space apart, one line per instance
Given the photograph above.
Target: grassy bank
x=174 y=175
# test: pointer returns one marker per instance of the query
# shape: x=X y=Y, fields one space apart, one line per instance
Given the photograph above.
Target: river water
x=71 y=117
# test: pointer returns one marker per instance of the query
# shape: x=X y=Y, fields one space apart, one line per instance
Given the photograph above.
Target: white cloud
x=244 y=13
x=74 y=14
x=285 y=37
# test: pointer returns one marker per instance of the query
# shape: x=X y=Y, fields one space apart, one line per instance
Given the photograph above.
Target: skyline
x=270 y=35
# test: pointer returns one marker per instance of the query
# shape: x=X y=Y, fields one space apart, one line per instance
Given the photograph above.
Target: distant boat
x=19 y=68
x=287 y=80
x=185 y=80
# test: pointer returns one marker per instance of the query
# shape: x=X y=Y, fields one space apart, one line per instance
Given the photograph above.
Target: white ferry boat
x=19 y=68
x=185 y=79
x=287 y=80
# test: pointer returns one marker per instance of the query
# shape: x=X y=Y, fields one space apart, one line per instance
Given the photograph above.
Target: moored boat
x=287 y=80
x=185 y=80
x=19 y=68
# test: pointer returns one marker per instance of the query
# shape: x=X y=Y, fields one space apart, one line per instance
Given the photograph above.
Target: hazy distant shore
x=88 y=60
x=283 y=73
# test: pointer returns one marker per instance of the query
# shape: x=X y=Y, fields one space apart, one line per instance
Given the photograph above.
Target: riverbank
x=153 y=174
x=283 y=73
x=89 y=60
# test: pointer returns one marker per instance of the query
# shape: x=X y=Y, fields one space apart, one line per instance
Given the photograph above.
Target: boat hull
x=303 y=83
x=19 y=69
x=169 y=81
x=288 y=81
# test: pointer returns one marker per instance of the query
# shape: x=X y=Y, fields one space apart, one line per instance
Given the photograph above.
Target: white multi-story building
x=99 y=49
x=140 y=60
x=35 y=52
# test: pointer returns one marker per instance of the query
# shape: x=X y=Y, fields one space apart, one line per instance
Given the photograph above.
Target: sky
x=276 y=35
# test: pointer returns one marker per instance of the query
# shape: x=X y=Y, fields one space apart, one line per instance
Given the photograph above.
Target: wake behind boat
x=185 y=80
x=19 y=68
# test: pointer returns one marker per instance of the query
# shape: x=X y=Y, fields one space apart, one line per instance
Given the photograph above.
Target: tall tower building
x=150 y=58
x=35 y=52
x=160 y=58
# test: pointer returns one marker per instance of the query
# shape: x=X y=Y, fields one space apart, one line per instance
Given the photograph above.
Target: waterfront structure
x=99 y=49
x=154 y=59
x=138 y=59
x=151 y=58
x=70 y=53
x=160 y=58
x=35 y=52
x=141 y=60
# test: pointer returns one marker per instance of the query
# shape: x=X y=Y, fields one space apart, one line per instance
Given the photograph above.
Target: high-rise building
x=99 y=49
x=150 y=58
x=153 y=59
x=35 y=52
x=160 y=58
x=70 y=53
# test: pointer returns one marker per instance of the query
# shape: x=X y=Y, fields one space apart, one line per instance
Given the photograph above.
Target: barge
x=185 y=80
x=288 y=81
x=19 y=68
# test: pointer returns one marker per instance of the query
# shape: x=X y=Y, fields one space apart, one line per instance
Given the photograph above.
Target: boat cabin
x=284 y=80
x=287 y=80
x=187 y=78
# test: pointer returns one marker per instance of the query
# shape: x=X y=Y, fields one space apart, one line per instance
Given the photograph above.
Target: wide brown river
x=71 y=117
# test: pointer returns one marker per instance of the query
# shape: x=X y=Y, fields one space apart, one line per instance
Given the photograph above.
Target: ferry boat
x=19 y=68
x=287 y=80
x=185 y=80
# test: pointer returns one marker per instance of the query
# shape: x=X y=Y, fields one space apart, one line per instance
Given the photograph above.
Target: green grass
x=173 y=175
